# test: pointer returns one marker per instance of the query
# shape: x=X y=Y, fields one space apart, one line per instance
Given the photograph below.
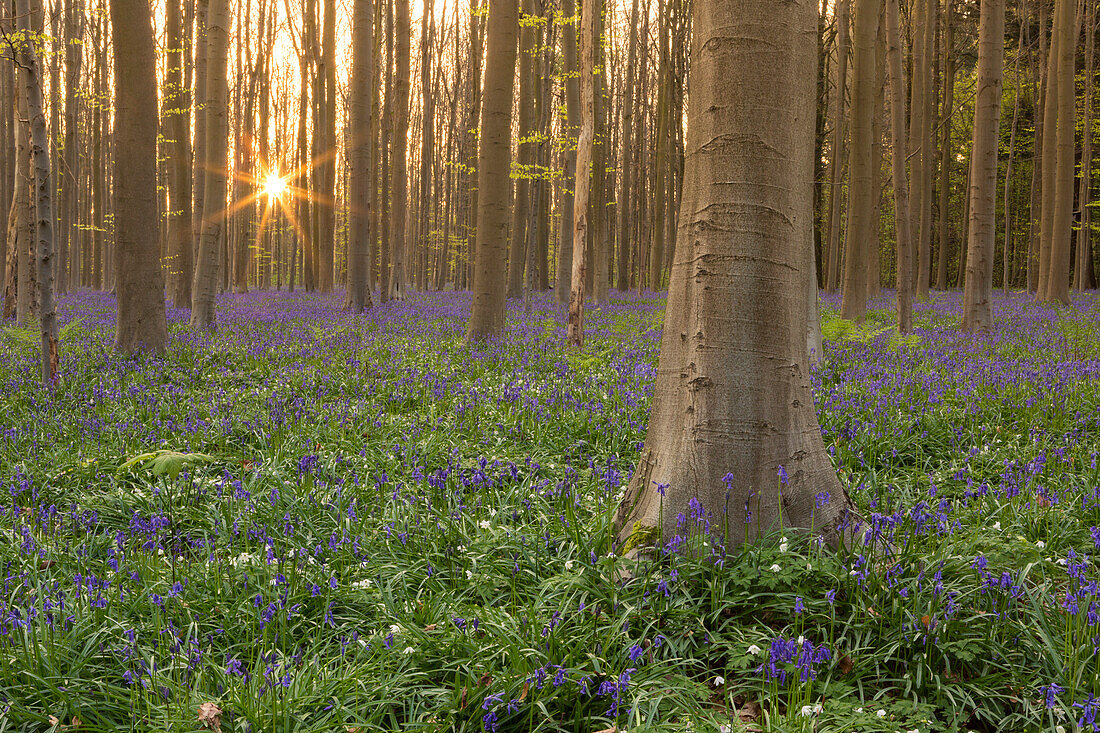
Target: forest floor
x=312 y=521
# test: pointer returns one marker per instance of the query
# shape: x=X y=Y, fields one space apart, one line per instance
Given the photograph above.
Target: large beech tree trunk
x=209 y=263
x=493 y=163
x=978 y=292
x=140 y=283
x=732 y=395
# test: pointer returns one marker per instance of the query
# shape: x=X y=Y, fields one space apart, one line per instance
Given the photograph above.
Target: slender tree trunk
x=177 y=104
x=836 y=164
x=1006 y=275
x=494 y=162
x=1061 y=222
x=978 y=293
x=861 y=168
x=360 y=195
x=736 y=303
x=626 y=171
x=199 y=165
x=326 y=167
x=1038 y=170
x=946 y=164
x=569 y=171
x=1082 y=269
x=900 y=183
x=207 y=268
x=927 y=153
x=525 y=147
x=30 y=72
x=21 y=220
x=427 y=141
x=589 y=13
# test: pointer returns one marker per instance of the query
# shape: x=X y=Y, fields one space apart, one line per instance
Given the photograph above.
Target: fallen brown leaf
x=431 y=627
x=845 y=664
x=612 y=729
x=750 y=712
x=462 y=701
x=210 y=715
x=523 y=692
x=486 y=680
x=54 y=721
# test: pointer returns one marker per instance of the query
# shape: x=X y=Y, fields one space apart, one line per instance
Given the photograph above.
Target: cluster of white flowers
x=754 y=649
x=364 y=583
x=808 y=710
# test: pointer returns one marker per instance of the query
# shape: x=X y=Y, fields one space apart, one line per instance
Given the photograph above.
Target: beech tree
x=42 y=199
x=732 y=396
x=861 y=223
x=493 y=163
x=209 y=263
x=360 y=194
x=141 y=323
x=978 y=295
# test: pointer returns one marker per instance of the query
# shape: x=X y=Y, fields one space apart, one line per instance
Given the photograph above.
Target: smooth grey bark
x=493 y=164
x=31 y=76
x=978 y=291
x=208 y=266
x=141 y=324
x=571 y=83
x=732 y=394
x=904 y=246
x=360 y=196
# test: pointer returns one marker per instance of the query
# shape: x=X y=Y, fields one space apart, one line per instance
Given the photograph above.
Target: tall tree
x=836 y=163
x=399 y=165
x=326 y=160
x=571 y=82
x=199 y=158
x=30 y=72
x=922 y=112
x=177 y=123
x=736 y=302
x=901 y=184
x=69 y=240
x=861 y=172
x=209 y=263
x=525 y=152
x=589 y=13
x=360 y=195
x=978 y=293
x=141 y=323
x=623 y=208
x=1061 y=105
x=948 y=42
x=1082 y=270
x=493 y=164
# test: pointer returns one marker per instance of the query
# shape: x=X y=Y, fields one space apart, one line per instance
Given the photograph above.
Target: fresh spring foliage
x=312 y=521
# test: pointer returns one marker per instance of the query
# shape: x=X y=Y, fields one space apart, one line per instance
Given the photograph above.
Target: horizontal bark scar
x=747 y=145
x=735 y=217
